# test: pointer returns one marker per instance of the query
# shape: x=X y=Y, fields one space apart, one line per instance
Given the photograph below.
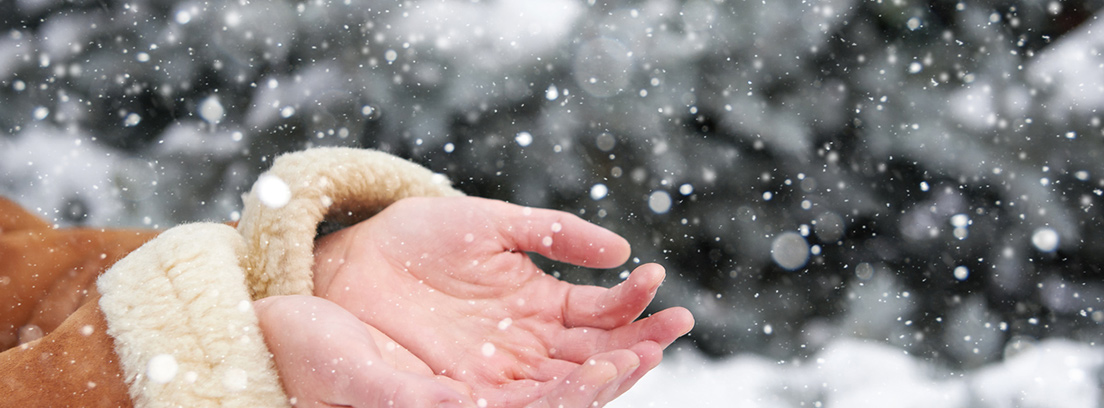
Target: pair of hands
x=433 y=302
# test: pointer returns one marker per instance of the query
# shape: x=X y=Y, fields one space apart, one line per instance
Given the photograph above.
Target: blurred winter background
x=864 y=203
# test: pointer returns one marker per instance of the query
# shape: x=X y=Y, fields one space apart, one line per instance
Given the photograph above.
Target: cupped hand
x=449 y=279
x=327 y=357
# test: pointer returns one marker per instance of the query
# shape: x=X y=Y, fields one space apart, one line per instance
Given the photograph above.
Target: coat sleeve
x=183 y=323
x=53 y=337
x=169 y=324
x=282 y=212
x=47 y=273
x=74 y=364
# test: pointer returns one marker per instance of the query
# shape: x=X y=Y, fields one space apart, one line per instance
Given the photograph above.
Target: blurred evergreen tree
x=938 y=161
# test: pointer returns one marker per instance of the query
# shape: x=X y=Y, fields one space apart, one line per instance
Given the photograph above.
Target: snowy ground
x=855 y=373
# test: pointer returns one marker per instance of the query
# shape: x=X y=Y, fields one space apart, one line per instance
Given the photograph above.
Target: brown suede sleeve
x=15 y=218
x=75 y=365
x=47 y=273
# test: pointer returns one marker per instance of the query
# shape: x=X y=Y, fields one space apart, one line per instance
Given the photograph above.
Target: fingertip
x=628 y=299
x=683 y=319
x=629 y=364
x=665 y=326
x=590 y=382
x=619 y=250
x=630 y=359
x=598 y=371
x=673 y=323
x=603 y=249
x=617 y=306
x=649 y=276
x=650 y=354
x=613 y=364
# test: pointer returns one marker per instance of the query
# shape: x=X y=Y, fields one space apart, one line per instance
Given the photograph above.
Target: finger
x=650 y=354
x=560 y=236
x=578 y=344
x=593 y=383
x=603 y=308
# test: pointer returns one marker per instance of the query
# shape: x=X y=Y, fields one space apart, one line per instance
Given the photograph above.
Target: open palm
x=449 y=280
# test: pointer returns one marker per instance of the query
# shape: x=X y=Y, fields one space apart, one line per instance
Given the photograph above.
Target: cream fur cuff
x=285 y=206
x=183 y=323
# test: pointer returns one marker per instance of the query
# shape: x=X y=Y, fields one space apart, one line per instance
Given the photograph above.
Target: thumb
x=379 y=386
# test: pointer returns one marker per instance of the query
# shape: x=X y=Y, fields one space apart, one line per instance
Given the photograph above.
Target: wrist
x=330 y=253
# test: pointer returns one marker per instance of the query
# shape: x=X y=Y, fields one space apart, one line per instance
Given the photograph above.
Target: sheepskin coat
x=111 y=317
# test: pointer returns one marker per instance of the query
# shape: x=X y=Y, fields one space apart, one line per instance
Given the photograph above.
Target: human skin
x=443 y=301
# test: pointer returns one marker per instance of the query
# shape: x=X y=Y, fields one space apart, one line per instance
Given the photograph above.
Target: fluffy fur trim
x=283 y=210
x=183 y=323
